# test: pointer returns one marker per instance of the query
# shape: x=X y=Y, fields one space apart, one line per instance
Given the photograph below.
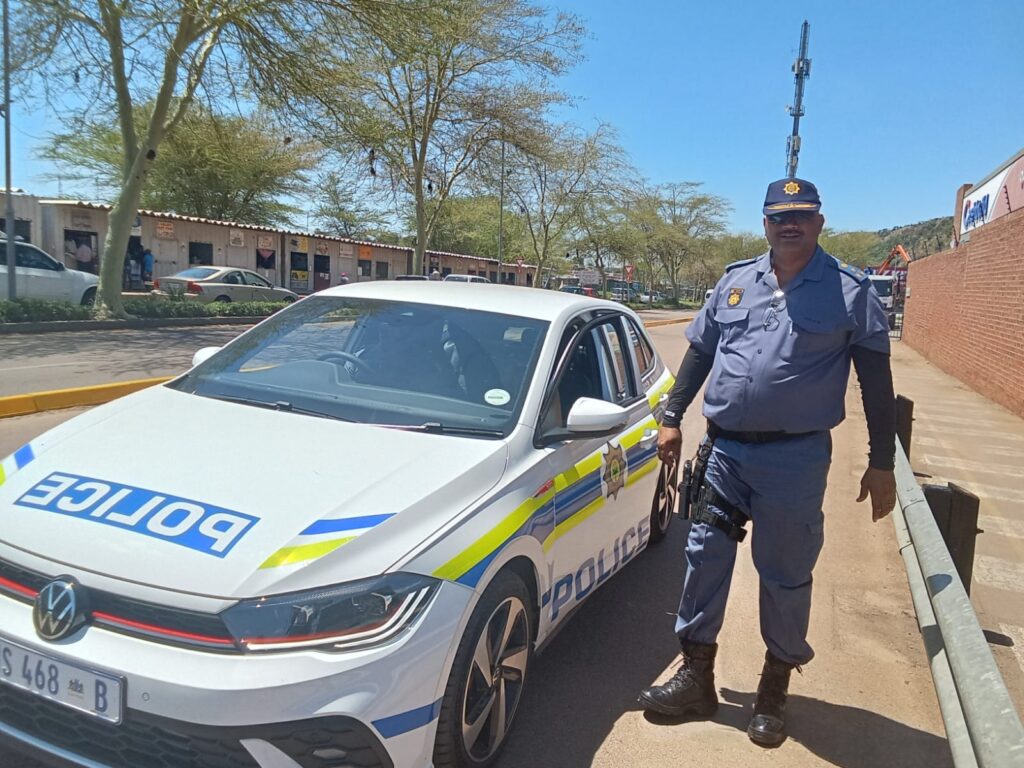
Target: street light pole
x=9 y=215
x=501 y=209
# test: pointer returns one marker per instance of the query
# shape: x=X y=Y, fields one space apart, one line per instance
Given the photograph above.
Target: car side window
x=255 y=280
x=596 y=367
x=233 y=278
x=29 y=258
x=641 y=348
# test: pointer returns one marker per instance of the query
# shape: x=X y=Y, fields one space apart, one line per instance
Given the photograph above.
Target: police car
x=336 y=541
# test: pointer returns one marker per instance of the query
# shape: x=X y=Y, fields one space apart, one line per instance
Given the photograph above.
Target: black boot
x=768 y=725
x=691 y=691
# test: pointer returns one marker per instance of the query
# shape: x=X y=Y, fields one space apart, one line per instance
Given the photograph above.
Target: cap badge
x=791 y=188
x=735 y=294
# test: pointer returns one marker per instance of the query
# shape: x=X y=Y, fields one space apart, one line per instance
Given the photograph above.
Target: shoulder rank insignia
x=735 y=295
x=851 y=270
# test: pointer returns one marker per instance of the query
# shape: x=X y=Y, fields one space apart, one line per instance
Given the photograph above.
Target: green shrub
x=159 y=307
x=40 y=310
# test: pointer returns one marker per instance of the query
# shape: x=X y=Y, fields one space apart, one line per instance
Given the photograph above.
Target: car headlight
x=342 y=617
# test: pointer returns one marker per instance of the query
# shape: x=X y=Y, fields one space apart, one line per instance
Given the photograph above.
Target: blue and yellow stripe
x=302 y=549
x=576 y=495
x=16 y=461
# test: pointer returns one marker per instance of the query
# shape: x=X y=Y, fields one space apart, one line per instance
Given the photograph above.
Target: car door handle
x=650 y=436
x=663 y=399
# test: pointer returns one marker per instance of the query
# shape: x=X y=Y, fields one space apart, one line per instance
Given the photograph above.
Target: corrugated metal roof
x=262 y=228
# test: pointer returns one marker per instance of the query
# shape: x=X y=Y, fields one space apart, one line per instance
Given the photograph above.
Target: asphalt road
x=41 y=362
x=866 y=701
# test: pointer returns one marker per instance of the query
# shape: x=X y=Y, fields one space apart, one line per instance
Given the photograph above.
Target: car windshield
x=398 y=364
x=883 y=287
x=197 y=273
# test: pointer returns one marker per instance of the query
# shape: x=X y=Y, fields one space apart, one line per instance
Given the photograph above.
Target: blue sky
x=907 y=99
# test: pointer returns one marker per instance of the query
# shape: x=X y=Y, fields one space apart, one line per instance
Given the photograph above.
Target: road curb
x=36 y=402
x=673 y=321
x=50 y=326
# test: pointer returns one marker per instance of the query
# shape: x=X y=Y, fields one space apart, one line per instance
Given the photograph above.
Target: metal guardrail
x=982 y=725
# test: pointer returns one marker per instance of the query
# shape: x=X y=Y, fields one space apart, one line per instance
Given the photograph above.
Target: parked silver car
x=208 y=284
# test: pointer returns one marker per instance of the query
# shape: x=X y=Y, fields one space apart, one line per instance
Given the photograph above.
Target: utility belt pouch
x=686 y=490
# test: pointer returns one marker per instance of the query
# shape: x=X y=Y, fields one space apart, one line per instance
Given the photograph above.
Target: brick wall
x=965 y=312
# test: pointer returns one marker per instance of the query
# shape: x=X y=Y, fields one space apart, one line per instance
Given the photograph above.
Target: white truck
x=883 y=285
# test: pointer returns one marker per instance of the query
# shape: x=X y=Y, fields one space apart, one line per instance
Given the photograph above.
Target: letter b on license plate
x=95 y=693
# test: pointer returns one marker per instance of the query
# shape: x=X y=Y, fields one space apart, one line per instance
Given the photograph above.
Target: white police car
x=335 y=542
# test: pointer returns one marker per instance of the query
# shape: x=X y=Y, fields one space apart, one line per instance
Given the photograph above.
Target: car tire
x=223 y=299
x=499 y=636
x=288 y=299
x=663 y=506
x=89 y=297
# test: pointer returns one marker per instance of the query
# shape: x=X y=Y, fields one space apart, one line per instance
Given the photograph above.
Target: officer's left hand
x=880 y=484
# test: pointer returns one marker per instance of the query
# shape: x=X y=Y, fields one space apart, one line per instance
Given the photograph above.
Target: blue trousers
x=781 y=486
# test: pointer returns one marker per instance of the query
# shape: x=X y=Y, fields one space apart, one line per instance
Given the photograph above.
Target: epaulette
x=855 y=272
x=741 y=263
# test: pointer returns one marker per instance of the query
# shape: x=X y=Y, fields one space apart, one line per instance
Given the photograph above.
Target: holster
x=696 y=495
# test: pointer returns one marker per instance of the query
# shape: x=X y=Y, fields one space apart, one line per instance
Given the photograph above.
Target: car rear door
x=600 y=523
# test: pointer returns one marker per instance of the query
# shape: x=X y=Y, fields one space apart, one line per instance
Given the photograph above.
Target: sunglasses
x=799 y=217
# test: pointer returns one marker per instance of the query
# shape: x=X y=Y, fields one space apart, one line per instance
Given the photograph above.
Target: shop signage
x=236 y=238
x=165 y=229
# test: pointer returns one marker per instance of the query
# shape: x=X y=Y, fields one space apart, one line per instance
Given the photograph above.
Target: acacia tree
x=227 y=167
x=549 y=180
x=115 y=54
x=420 y=100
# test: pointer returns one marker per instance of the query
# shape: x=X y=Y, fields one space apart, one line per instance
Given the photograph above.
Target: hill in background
x=871 y=248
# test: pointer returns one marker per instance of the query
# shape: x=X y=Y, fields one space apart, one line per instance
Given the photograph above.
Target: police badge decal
x=613 y=478
x=735 y=294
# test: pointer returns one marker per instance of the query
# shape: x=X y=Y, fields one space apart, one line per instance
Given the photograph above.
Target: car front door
x=234 y=286
x=600 y=523
x=261 y=290
x=43 y=277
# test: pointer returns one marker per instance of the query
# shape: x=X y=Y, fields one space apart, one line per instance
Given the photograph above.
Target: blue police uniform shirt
x=785 y=367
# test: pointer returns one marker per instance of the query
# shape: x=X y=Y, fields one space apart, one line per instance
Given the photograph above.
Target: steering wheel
x=347 y=357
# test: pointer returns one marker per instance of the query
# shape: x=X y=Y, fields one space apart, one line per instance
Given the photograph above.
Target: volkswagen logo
x=59 y=609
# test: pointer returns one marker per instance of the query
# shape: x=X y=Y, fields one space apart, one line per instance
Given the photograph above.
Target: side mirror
x=590 y=417
x=203 y=355
x=60 y=267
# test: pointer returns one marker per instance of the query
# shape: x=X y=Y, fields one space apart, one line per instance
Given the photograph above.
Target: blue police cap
x=791 y=195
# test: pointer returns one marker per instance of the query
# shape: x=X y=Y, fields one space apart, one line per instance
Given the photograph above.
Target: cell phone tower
x=801 y=71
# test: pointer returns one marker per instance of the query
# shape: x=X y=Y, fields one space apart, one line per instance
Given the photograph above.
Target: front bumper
x=190 y=709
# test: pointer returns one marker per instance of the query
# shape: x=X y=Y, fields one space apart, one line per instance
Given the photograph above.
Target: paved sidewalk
x=963 y=437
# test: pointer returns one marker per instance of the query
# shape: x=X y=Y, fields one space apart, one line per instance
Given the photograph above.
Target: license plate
x=95 y=693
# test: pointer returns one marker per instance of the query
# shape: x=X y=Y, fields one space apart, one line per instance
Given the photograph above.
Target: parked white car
x=206 y=284
x=37 y=275
x=360 y=519
x=454 y=278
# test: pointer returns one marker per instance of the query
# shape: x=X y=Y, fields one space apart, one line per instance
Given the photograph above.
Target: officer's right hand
x=670 y=444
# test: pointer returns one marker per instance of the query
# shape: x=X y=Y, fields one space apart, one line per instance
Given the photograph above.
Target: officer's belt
x=717 y=433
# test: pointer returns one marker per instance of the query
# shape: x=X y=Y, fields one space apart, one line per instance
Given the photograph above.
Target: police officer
x=777 y=337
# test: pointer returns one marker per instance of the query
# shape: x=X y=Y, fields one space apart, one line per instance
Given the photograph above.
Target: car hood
x=195 y=495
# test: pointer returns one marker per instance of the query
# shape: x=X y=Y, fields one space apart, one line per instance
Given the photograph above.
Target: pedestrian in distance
x=84 y=255
x=343 y=278
x=776 y=338
x=147 y=266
